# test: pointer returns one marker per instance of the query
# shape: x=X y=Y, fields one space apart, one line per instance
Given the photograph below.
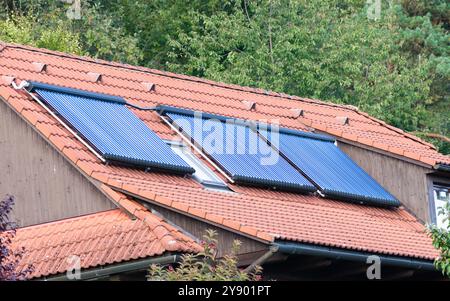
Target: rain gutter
x=340 y=254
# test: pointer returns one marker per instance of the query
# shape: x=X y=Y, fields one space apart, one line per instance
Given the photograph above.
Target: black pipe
x=106 y=271
x=105 y=97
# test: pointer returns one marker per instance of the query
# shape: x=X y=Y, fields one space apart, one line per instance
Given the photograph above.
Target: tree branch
x=270 y=32
x=246 y=11
x=433 y=135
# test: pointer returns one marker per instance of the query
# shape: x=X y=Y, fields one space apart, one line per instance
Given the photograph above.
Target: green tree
x=328 y=50
x=103 y=37
x=441 y=241
x=153 y=23
x=205 y=266
x=45 y=24
x=396 y=67
x=25 y=30
x=424 y=38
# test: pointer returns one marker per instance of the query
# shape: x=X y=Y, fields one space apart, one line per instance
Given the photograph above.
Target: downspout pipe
x=139 y=265
x=261 y=260
x=334 y=253
x=443 y=167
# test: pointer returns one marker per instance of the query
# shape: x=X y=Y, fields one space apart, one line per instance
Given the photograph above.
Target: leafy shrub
x=205 y=266
x=9 y=258
x=441 y=241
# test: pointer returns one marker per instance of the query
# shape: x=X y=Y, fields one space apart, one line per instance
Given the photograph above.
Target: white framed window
x=203 y=174
x=441 y=198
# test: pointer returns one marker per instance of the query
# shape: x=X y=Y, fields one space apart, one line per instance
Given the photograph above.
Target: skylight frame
x=211 y=181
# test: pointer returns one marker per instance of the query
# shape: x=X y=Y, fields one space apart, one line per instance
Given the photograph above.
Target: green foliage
x=205 y=266
x=45 y=24
x=328 y=50
x=103 y=38
x=396 y=67
x=24 y=30
x=424 y=39
x=153 y=23
x=441 y=241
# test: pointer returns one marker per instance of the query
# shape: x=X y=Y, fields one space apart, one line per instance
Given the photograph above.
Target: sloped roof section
x=270 y=215
x=99 y=239
x=262 y=214
x=213 y=97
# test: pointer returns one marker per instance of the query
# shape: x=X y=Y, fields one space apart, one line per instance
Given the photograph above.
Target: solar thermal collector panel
x=111 y=128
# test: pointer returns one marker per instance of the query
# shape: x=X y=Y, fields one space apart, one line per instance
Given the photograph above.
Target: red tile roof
x=99 y=239
x=189 y=92
x=259 y=213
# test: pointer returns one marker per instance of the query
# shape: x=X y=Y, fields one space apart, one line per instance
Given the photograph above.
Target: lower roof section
x=293 y=217
x=98 y=240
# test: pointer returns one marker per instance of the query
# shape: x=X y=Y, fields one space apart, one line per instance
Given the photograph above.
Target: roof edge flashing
x=107 y=270
x=149 y=164
x=163 y=110
x=240 y=179
x=361 y=199
x=32 y=86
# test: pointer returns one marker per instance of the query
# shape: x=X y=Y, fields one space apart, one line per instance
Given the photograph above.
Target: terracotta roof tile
x=214 y=218
x=31 y=116
x=147 y=194
x=264 y=213
x=39 y=67
x=233 y=225
x=164 y=201
x=180 y=206
x=248 y=230
x=45 y=129
x=197 y=212
x=85 y=166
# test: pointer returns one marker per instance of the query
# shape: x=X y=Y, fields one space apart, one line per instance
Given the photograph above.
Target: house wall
x=46 y=186
x=406 y=181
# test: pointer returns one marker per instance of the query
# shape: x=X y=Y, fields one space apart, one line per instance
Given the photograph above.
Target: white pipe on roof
x=25 y=84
